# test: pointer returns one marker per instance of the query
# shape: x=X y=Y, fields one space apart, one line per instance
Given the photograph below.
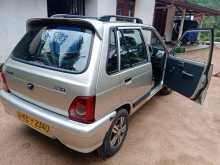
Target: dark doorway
x=75 y=7
x=125 y=7
x=160 y=18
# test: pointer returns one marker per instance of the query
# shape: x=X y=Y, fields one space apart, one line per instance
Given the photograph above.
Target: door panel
x=189 y=68
x=135 y=67
x=183 y=75
x=136 y=82
x=201 y=95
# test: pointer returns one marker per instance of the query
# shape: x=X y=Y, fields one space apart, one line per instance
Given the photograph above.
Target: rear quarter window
x=63 y=48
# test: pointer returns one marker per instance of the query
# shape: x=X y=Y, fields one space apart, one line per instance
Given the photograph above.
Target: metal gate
x=75 y=7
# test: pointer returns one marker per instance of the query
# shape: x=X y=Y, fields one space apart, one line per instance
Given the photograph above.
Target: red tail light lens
x=82 y=109
x=4 y=83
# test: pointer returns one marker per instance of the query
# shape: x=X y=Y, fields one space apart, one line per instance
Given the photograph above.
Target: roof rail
x=71 y=16
x=107 y=18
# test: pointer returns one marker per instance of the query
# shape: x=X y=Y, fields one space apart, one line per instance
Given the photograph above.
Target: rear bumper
x=80 y=137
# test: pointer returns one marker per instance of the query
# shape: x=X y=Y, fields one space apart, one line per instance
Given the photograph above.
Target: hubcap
x=118 y=132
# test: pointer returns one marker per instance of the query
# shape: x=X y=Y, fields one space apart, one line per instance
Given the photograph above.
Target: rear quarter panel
x=108 y=87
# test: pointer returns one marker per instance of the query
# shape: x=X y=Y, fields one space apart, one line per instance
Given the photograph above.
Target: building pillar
x=182 y=23
x=171 y=12
x=144 y=9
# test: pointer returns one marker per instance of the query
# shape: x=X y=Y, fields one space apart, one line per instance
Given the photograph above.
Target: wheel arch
x=127 y=107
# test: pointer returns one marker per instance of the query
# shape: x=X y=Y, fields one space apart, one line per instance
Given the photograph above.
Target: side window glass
x=194 y=45
x=112 y=63
x=132 y=48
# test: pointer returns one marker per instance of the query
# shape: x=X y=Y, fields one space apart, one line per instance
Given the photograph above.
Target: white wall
x=106 y=7
x=13 y=16
x=144 y=9
x=91 y=7
x=98 y=8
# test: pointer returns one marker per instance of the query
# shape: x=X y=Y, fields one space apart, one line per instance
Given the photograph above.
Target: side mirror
x=180 y=49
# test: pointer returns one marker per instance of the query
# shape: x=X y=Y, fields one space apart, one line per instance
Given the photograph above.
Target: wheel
x=165 y=91
x=116 y=135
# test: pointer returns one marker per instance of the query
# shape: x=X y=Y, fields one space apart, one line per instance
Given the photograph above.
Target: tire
x=165 y=91
x=111 y=144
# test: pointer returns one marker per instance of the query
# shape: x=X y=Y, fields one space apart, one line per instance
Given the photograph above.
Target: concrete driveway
x=166 y=131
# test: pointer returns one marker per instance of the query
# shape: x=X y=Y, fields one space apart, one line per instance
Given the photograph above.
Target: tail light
x=82 y=109
x=4 y=83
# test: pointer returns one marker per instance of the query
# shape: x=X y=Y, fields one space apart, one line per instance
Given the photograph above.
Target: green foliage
x=217 y=39
x=215 y=4
x=217 y=33
x=211 y=21
x=204 y=37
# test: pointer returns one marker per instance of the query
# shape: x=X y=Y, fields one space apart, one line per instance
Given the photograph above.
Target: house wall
x=91 y=8
x=98 y=8
x=13 y=15
x=144 y=9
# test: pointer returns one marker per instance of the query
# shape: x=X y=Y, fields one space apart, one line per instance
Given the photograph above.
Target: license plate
x=30 y=121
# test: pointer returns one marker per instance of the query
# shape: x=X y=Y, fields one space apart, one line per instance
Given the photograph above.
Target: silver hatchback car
x=78 y=79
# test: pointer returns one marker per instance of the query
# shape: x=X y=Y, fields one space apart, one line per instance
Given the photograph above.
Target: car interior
x=157 y=60
x=158 y=56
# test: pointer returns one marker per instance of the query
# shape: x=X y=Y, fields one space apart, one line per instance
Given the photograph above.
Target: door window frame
x=208 y=30
x=141 y=28
x=118 y=45
x=167 y=53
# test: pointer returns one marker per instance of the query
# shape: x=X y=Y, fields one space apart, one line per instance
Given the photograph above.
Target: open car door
x=189 y=68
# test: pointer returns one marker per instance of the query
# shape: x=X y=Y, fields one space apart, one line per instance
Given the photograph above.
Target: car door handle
x=127 y=80
x=187 y=75
x=180 y=64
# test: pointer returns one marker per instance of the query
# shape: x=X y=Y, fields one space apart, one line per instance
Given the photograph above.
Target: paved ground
x=166 y=131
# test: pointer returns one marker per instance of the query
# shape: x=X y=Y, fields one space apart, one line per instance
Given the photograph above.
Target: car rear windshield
x=64 y=48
